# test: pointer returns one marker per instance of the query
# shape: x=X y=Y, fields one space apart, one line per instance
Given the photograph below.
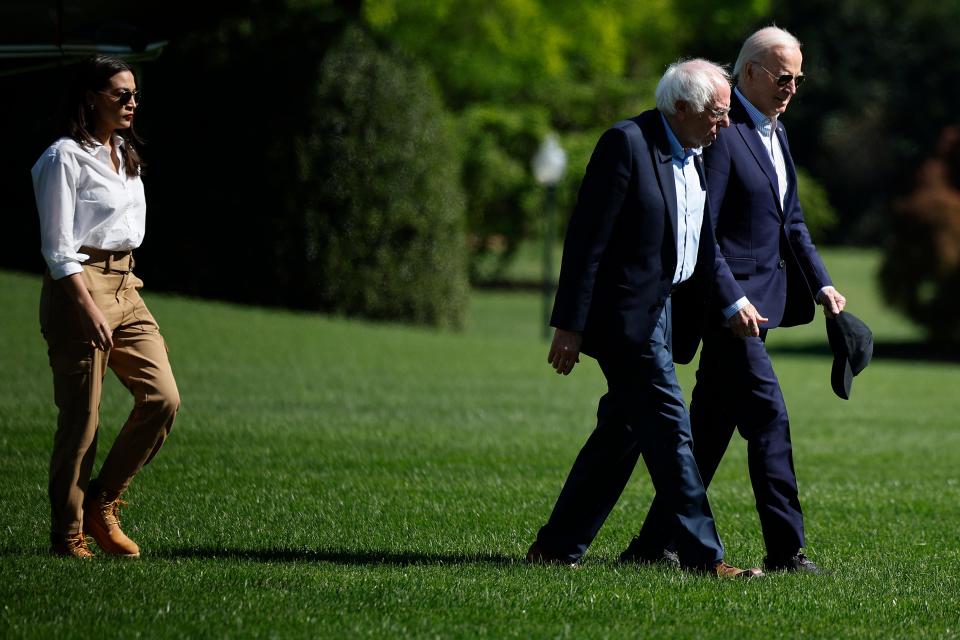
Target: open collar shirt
x=83 y=201
x=767 y=130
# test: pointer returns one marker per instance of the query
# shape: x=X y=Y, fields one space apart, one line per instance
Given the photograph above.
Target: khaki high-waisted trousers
x=138 y=358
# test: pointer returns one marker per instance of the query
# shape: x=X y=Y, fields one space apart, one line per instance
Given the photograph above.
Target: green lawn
x=330 y=478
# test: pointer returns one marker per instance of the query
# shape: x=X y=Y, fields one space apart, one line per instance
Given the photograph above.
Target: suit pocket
x=625 y=297
x=71 y=359
x=742 y=268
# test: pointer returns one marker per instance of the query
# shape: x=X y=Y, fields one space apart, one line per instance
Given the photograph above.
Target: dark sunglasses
x=124 y=96
x=785 y=79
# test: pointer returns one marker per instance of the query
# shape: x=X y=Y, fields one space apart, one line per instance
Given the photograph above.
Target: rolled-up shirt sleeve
x=55 y=189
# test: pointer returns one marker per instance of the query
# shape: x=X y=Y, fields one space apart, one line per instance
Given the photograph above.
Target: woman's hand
x=93 y=323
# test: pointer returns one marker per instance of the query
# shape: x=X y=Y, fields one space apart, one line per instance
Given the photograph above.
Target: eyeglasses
x=718 y=114
x=124 y=96
x=785 y=79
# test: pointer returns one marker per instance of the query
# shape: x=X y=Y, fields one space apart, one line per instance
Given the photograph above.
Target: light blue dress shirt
x=691 y=197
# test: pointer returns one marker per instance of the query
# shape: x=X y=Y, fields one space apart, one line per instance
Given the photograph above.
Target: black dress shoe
x=665 y=558
x=536 y=555
x=797 y=562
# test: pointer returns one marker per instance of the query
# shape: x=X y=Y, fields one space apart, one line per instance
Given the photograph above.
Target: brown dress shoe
x=536 y=555
x=724 y=570
x=72 y=545
x=101 y=519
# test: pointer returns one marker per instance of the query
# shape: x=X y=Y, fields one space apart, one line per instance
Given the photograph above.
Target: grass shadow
x=335 y=556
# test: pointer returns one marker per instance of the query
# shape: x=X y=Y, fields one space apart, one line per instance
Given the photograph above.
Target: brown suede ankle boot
x=71 y=545
x=101 y=520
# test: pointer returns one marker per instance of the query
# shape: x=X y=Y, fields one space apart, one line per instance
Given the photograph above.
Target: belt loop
x=132 y=262
x=107 y=263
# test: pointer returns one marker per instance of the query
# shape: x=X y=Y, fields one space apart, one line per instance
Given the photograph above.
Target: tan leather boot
x=101 y=520
x=73 y=545
x=724 y=570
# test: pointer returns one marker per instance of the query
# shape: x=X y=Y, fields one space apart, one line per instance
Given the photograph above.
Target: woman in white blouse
x=92 y=215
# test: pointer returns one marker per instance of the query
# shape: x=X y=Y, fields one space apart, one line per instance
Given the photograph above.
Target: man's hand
x=746 y=322
x=565 y=350
x=833 y=302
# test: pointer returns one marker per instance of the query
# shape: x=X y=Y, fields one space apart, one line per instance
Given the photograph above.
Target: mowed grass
x=334 y=478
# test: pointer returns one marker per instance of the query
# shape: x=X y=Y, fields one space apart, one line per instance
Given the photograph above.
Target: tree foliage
x=512 y=70
x=921 y=269
x=880 y=90
x=818 y=213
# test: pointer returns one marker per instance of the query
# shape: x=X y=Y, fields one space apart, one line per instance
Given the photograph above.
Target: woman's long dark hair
x=93 y=74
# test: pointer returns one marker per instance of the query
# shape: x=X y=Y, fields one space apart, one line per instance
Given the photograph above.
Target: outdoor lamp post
x=548 y=166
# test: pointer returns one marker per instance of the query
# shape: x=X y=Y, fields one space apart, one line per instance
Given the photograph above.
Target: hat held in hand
x=852 y=344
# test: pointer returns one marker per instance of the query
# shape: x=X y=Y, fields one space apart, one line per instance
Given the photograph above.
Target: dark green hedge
x=298 y=163
x=384 y=213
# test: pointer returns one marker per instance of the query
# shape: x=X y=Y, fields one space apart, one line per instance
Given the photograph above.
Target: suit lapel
x=663 y=166
x=745 y=127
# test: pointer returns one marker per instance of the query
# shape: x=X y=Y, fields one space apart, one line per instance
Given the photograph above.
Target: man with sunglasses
x=768 y=275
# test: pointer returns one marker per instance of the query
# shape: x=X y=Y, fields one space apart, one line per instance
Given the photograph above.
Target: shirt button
x=781 y=264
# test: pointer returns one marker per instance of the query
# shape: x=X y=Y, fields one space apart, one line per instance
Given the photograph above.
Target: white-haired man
x=767 y=264
x=639 y=247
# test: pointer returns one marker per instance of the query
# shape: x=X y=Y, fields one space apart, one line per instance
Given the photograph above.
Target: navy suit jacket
x=765 y=251
x=620 y=252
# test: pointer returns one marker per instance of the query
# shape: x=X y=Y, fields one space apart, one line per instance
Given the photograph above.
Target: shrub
x=329 y=185
x=817 y=211
x=383 y=219
x=920 y=274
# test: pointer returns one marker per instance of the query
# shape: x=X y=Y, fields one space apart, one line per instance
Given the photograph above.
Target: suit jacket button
x=781 y=264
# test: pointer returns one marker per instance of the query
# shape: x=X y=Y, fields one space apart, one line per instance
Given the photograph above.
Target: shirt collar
x=763 y=124
x=676 y=149
x=94 y=147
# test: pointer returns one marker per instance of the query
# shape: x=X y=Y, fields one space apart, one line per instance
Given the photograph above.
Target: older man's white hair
x=762 y=41
x=696 y=82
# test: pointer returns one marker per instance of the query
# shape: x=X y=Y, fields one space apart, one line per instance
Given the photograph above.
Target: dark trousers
x=738 y=389
x=642 y=413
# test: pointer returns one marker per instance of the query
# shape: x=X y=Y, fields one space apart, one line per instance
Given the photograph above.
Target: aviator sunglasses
x=785 y=79
x=124 y=96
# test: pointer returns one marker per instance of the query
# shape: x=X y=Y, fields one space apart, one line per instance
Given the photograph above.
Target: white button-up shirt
x=83 y=201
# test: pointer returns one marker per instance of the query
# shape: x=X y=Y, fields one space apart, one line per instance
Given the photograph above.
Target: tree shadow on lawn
x=335 y=556
x=882 y=350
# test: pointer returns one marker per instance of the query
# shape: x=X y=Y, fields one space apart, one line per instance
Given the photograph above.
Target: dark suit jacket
x=765 y=250
x=620 y=251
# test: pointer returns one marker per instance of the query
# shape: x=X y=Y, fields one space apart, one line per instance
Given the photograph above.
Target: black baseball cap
x=852 y=344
